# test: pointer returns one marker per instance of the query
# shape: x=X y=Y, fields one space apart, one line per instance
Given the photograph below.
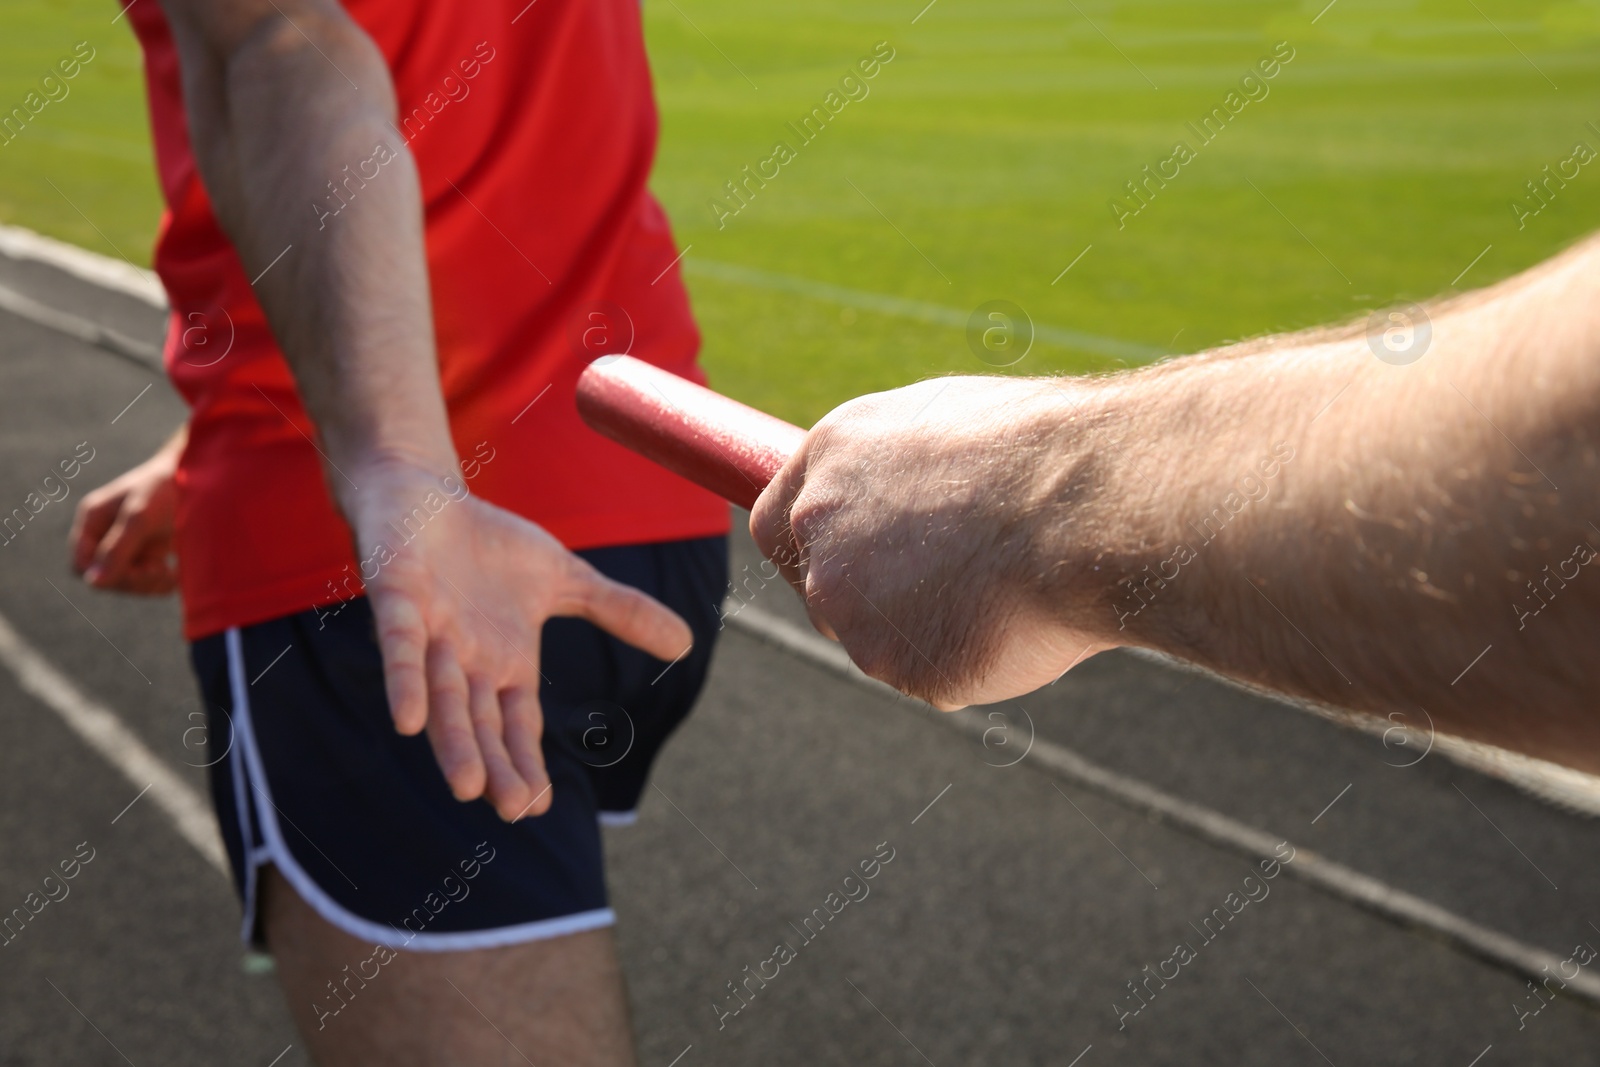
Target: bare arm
x=1295 y=513
x=282 y=97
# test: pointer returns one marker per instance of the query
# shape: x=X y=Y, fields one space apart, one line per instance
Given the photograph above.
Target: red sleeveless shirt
x=533 y=127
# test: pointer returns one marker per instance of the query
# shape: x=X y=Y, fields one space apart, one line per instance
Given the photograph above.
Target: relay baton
x=715 y=442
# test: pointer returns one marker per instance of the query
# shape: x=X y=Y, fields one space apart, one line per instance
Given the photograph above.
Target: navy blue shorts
x=308 y=773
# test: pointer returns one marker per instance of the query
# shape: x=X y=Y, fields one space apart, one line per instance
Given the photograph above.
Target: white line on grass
x=906 y=308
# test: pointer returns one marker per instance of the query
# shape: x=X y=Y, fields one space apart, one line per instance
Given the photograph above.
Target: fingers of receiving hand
x=524 y=725
x=111 y=538
x=132 y=534
x=450 y=728
x=403 y=641
x=153 y=572
x=90 y=521
x=157 y=567
x=507 y=790
x=625 y=613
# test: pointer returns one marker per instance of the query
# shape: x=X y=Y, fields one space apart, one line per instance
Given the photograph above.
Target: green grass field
x=1383 y=160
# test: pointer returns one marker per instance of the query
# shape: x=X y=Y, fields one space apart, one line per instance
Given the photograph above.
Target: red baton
x=720 y=444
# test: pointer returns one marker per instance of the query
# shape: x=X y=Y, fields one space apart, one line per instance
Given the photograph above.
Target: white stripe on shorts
x=276 y=851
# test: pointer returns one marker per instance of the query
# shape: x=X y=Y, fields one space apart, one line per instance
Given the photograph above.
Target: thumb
x=626 y=613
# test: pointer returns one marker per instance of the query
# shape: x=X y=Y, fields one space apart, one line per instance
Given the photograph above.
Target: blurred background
x=1047 y=851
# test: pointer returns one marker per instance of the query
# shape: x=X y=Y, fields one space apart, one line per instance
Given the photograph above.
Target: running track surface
x=1017 y=908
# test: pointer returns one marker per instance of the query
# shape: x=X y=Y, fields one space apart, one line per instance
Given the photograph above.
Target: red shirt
x=534 y=140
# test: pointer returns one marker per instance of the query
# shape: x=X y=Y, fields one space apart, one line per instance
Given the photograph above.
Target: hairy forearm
x=320 y=197
x=1304 y=516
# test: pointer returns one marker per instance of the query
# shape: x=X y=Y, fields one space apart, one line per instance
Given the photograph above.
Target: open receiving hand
x=460 y=591
x=915 y=525
x=122 y=532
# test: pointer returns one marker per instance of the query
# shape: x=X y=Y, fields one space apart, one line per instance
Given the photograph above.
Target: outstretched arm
x=1294 y=512
x=282 y=96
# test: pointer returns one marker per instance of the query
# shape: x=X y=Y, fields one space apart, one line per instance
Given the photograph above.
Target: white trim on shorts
x=618 y=818
x=274 y=850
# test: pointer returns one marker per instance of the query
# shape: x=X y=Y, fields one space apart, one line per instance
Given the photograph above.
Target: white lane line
x=100 y=728
x=118 y=276
x=1335 y=879
x=1563 y=788
x=80 y=329
x=92 y=267
x=192 y=816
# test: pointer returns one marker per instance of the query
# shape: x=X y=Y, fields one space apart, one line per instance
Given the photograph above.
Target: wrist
x=380 y=487
x=166 y=458
x=1088 y=521
x=365 y=459
x=1192 y=459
